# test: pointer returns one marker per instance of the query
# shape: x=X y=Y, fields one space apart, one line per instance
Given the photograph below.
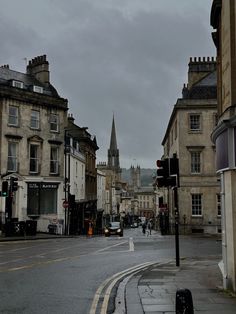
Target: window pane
x=218 y=204
x=12 y=157
x=194 y=122
x=196 y=204
x=48 y=201
x=195 y=162
x=33 y=200
x=13 y=115
x=41 y=200
x=54 y=122
x=54 y=165
x=33 y=158
x=34 y=122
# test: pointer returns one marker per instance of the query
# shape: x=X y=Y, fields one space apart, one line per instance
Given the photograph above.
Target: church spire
x=113 y=143
x=113 y=151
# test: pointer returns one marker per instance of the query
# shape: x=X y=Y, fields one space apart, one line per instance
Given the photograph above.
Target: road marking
x=109 y=247
x=131 y=244
x=40 y=263
x=114 y=279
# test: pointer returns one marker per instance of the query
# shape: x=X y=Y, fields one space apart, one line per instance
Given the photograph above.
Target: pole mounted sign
x=65 y=204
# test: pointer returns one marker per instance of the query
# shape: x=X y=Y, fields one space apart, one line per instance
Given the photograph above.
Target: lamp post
x=67 y=151
x=66 y=182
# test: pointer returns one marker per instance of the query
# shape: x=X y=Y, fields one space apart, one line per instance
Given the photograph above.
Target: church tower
x=135 y=175
x=113 y=152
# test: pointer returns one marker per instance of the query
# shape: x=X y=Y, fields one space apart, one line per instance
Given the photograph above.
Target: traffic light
x=162 y=172
x=4 y=188
x=168 y=172
x=13 y=184
x=174 y=166
x=174 y=171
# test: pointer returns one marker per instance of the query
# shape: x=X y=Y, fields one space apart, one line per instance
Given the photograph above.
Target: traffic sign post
x=65 y=204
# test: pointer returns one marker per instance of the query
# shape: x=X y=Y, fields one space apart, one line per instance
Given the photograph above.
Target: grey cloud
x=128 y=57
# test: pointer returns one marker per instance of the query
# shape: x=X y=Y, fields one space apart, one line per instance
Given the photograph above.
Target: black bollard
x=184 y=302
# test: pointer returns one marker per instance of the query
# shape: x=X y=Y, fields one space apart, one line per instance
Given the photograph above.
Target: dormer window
x=17 y=84
x=37 y=89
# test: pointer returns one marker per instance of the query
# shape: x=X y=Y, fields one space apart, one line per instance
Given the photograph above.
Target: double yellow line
x=104 y=290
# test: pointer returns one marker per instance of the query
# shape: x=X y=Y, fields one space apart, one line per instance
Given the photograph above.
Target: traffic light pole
x=176 y=206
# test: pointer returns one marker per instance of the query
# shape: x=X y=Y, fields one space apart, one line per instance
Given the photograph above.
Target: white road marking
x=131 y=244
x=109 y=247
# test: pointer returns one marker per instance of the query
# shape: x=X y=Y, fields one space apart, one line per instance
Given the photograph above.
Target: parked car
x=113 y=228
x=134 y=225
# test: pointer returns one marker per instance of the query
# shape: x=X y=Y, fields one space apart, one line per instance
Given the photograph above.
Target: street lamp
x=66 y=182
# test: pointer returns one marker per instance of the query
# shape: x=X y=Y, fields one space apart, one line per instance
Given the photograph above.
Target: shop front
x=42 y=203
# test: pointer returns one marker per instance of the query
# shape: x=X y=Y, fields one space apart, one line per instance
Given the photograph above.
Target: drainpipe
x=224 y=267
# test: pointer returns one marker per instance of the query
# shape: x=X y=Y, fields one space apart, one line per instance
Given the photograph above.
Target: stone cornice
x=33 y=98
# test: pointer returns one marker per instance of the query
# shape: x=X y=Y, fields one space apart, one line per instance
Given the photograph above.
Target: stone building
x=101 y=194
x=32 y=121
x=146 y=202
x=74 y=177
x=188 y=135
x=85 y=210
x=223 y=19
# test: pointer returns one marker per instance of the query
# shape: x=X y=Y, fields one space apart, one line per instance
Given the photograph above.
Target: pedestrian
x=144 y=227
x=150 y=227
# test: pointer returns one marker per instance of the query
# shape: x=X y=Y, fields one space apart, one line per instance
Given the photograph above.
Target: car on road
x=113 y=228
x=134 y=225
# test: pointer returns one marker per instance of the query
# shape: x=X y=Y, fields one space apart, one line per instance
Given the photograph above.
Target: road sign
x=65 y=204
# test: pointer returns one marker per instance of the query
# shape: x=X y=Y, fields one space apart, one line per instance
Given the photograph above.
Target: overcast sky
x=127 y=57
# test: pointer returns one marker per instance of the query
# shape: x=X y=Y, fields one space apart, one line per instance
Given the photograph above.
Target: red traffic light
x=163 y=168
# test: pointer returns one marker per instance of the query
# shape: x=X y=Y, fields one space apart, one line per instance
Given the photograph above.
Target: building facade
x=188 y=135
x=223 y=19
x=101 y=194
x=146 y=203
x=84 y=210
x=33 y=118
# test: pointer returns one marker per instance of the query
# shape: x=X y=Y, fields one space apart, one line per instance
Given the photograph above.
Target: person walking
x=149 y=227
x=144 y=226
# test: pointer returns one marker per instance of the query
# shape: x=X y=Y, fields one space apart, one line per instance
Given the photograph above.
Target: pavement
x=153 y=291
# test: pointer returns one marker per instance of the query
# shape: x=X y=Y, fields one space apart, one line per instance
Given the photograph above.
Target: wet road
x=62 y=275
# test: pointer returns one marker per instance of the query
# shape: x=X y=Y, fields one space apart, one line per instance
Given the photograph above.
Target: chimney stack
x=199 y=67
x=39 y=68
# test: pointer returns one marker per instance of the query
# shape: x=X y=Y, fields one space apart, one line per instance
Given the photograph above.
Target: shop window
x=42 y=198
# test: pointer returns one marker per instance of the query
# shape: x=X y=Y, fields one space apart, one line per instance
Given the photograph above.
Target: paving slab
x=154 y=291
